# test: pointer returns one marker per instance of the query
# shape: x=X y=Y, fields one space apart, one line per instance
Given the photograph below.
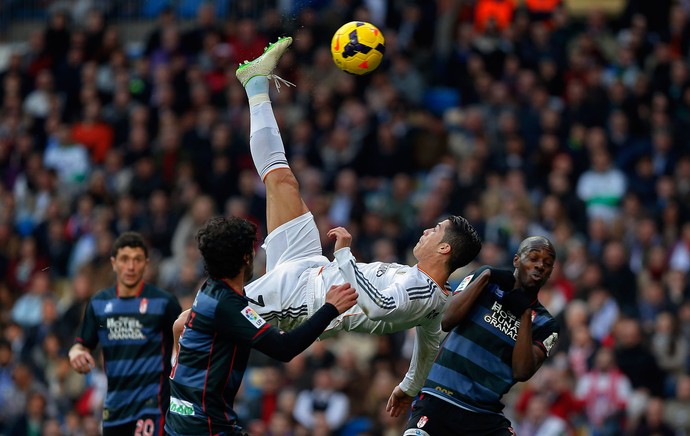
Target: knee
x=280 y=179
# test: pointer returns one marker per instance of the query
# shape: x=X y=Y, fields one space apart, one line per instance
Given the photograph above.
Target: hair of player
x=464 y=241
x=530 y=242
x=225 y=243
x=129 y=239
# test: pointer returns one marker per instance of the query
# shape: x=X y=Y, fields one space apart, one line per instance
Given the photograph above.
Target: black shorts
x=432 y=416
x=145 y=426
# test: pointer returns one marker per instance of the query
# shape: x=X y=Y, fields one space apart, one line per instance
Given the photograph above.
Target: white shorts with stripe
x=293 y=252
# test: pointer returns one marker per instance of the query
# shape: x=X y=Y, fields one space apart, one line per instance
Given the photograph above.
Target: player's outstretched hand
x=342 y=296
x=343 y=238
x=81 y=360
x=399 y=402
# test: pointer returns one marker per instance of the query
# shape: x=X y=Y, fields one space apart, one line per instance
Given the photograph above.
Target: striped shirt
x=135 y=334
x=213 y=353
x=473 y=369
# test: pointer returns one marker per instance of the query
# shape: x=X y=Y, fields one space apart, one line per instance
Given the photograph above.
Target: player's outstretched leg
x=283 y=200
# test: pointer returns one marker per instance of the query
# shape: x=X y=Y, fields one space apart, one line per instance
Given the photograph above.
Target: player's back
x=406 y=296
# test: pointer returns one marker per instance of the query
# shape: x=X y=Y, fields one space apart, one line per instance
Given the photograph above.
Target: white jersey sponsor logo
x=124 y=328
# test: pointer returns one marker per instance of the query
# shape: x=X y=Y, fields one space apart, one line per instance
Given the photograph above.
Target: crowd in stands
x=523 y=119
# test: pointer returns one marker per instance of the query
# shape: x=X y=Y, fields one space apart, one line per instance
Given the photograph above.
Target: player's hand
x=342 y=297
x=516 y=301
x=505 y=279
x=343 y=238
x=81 y=360
x=399 y=402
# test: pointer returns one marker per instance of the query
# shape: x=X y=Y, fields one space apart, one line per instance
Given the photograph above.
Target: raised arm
x=527 y=357
x=284 y=346
x=461 y=302
x=375 y=304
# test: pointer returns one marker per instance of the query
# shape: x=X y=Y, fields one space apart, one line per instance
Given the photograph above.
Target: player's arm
x=80 y=357
x=527 y=357
x=426 y=345
x=284 y=346
x=376 y=303
x=462 y=301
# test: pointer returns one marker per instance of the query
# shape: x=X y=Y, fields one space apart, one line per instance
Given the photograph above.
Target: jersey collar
x=138 y=293
x=227 y=283
x=442 y=288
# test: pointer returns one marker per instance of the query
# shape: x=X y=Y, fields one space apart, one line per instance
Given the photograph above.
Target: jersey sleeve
x=377 y=304
x=426 y=345
x=88 y=331
x=469 y=278
x=237 y=321
x=546 y=336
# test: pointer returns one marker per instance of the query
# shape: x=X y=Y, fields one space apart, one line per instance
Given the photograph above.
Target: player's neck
x=438 y=273
x=236 y=283
x=124 y=291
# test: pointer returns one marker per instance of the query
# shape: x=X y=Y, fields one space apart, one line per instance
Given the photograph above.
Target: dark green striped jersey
x=213 y=351
x=135 y=334
x=473 y=369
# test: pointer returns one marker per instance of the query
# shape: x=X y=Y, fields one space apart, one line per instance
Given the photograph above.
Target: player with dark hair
x=499 y=334
x=392 y=297
x=217 y=335
x=133 y=322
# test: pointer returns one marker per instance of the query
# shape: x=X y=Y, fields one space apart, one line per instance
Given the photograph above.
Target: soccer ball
x=358 y=47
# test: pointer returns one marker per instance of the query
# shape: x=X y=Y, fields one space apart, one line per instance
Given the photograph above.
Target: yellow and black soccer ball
x=358 y=47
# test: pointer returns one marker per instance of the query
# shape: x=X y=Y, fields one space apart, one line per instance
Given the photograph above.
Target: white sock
x=257 y=90
x=265 y=143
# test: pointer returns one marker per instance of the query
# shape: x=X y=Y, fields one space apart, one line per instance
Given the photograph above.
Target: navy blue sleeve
x=88 y=331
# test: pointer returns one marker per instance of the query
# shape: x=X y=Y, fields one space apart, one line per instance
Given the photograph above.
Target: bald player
x=499 y=335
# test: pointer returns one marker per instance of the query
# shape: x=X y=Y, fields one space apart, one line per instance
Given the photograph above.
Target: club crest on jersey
x=253 y=317
x=463 y=284
x=143 y=305
x=422 y=421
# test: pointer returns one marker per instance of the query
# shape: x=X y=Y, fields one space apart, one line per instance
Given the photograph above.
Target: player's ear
x=516 y=260
x=444 y=248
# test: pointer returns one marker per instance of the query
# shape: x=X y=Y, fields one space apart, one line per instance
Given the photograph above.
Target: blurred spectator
x=322 y=402
x=601 y=187
x=27 y=264
x=539 y=421
x=92 y=132
x=675 y=411
x=605 y=391
x=28 y=310
x=635 y=360
x=33 y=420
x=653 y=421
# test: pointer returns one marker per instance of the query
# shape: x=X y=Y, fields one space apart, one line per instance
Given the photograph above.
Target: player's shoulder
x=152 y=291
x=544 y=319
x=105 y=294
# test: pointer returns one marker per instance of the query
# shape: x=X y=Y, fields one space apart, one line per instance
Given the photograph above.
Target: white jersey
x=392 y=297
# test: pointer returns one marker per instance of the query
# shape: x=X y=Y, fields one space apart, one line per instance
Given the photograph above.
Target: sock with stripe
x=265 y=143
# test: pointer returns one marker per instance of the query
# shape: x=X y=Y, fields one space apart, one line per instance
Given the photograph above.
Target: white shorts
x=293 y=250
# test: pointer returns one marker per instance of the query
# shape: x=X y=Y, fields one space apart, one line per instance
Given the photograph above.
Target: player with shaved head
x=499 y=335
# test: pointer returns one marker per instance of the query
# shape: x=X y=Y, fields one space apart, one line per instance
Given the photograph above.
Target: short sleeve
x=237 y=321
x=88 y=332
x=546 y=336
x=469 y=278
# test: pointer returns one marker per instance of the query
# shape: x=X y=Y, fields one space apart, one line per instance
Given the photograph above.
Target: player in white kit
x=392 y=297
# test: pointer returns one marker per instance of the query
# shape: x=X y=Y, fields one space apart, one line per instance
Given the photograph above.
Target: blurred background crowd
x=522 y=117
